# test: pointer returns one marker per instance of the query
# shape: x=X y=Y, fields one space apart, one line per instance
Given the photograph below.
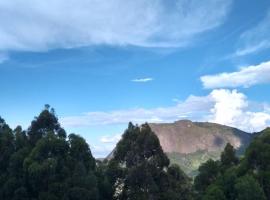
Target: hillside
x=191 y=143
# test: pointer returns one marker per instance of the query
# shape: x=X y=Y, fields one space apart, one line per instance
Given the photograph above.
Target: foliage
x=248 y=189
x=246 y=179
x=143 y=169
x=43 y=163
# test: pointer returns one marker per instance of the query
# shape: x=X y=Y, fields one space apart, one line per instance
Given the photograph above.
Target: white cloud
x=110 y=138
x=245 y=77
x=102 y=151
x=232 y=109
x=220 y=106
x=142 y=80
x=191 y=107
x=108 y=143
x=41 y=25
x=255 y=39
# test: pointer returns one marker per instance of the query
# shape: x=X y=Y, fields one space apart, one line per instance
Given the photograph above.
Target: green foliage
x=249 y=189
x=41 y=163
x=214 y=193
x=191 y=162
x=228 y=157
x=208 y=173
x=142 y=169
x=232 y=179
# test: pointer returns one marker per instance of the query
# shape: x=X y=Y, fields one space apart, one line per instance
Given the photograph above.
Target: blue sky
x=101 y=64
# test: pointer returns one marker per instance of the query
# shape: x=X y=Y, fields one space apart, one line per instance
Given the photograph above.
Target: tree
x=80 y=152
x=257 y=160
x=143 y=168
x=179 y=185
x=227 y=182
x=7 y=148
x=249 y=189
x=214 y=193
x=46 y=122
x=41 y=163
x=208 y=173
x=228 y=157
x=142 y=159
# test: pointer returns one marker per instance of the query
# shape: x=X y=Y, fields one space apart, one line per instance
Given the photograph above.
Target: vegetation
x=229 y=178
x=190 y=144
x=44 y=163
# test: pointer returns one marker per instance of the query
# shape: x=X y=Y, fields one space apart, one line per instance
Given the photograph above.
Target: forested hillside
x=45 y=163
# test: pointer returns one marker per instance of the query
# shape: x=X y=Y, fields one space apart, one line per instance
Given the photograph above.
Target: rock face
x=191 y=143
x=188 y=137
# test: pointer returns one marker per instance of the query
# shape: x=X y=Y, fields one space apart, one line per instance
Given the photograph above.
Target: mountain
x=190 y=143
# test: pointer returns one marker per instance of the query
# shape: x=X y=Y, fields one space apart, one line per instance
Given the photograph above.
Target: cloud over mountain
x=227 y=107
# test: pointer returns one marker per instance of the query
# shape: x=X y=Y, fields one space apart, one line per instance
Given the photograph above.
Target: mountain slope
x=191 y=143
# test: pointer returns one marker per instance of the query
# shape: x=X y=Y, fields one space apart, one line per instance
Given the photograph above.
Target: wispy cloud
x=42 y=25
x=228 y=107
x=245 y=77
x=111 y=138
x=255 y=39
x=191 y=107
x=142 y=80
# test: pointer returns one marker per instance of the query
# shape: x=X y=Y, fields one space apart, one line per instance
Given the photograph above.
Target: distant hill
x=190 y=143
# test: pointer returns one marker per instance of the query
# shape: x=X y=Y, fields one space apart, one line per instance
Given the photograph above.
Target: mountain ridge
x=186 y=137
x=189 y=144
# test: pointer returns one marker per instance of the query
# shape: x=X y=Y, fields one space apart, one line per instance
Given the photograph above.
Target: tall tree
x=46 y=122
x=228 y=157
x=144 y=167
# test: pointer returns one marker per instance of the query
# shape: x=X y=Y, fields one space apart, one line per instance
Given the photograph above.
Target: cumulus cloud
x=255 y=39
x=232 y=108
x=227 y=107
x=142 y=80
x=41 y=25
x=245 y=77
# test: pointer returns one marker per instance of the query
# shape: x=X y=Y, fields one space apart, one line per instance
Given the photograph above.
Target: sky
x=101 y=64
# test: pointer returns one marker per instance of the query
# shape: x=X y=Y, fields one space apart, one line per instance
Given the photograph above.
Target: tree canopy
x=44 y=163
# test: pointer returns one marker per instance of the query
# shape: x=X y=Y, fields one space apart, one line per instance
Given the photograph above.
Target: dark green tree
x=208 y=173
x=7 y=148
x=228 y=157
x=214 y=193
x=143 y=168
x=249 y=189
x=41 y=163
x=178 y=186
x=46 y=122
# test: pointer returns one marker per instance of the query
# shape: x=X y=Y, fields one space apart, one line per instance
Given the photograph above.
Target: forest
x=45 y=163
